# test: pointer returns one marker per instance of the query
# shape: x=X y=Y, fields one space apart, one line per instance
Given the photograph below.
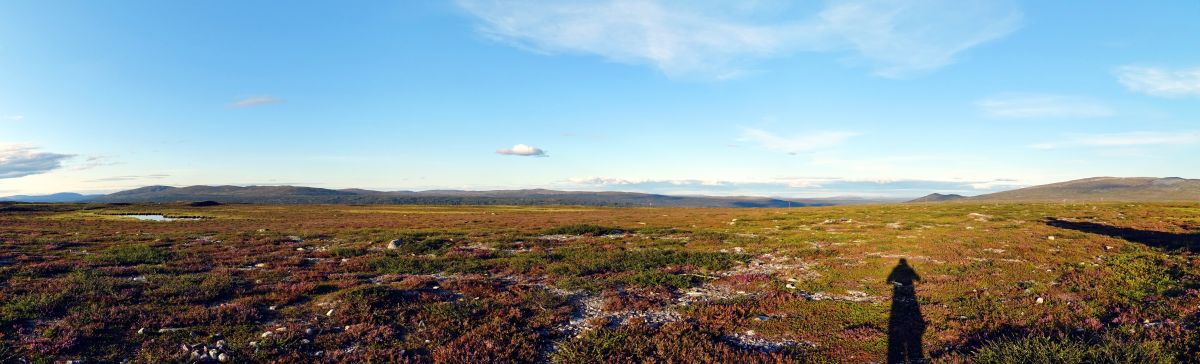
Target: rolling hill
x=938 y=197
x=1140 y=189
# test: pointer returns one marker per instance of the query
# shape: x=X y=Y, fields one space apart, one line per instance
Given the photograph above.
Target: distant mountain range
x=310 y=195
x=57 y=197
x=1089 y=189
x=1096 y=189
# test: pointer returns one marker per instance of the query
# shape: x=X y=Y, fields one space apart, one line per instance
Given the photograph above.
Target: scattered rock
x=1040 y=300
x=395 y=244
x=979 y=217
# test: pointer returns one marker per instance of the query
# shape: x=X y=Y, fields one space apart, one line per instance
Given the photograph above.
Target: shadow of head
x=903 y=274
x=1170 y=241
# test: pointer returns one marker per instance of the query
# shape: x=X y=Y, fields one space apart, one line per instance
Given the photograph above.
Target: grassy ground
x=318 y=283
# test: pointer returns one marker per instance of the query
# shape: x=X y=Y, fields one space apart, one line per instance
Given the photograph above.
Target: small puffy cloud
x=21 y=160
x=1130 y=139
x=523 y=150
x=796 y=143
x=256 y=101
x=1161 y=82
x=1032 y=106
x=722 y=40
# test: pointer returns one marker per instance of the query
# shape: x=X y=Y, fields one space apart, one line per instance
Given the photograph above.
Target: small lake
x=157 y=217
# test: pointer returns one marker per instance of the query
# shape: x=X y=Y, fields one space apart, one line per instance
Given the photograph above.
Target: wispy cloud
x=129 y=178
x=1156 y=81
x=12 y=118
x=523 y=150
x=796 y=143
x=22 y=160
x=256 y=101
x=1033 y=106
x=722 y=40
x=795 y=186
x=1129 y=139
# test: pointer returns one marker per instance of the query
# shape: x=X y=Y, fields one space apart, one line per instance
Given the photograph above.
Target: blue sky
x=816 y=98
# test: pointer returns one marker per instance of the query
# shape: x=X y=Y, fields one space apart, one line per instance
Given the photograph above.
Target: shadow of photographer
x=906 y=326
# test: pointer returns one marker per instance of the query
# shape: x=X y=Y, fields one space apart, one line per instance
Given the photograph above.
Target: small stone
x=222 y=357
x=308 y=331
x=395 y=244
x=299 y=249
x=1040 y=300
x=212 y=353
x=260 y=265
x=265 y=334
x=253 y=343
x=329 y=313
x=142 y=331
x=273 y=307
x=305 y=341
x=221 y=344
x=1051 y=237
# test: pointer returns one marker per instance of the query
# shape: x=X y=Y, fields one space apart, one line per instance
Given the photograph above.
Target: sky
x=777 y=98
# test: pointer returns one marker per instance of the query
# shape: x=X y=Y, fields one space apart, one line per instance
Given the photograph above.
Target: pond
x=159 y=217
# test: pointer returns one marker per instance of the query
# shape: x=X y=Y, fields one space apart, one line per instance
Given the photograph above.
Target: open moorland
x=958 y=282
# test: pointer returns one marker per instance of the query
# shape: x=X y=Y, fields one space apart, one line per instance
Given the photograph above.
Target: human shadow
x=906 y=326
x=1165 y=240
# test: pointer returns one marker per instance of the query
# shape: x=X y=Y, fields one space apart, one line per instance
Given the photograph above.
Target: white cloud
x=12 y=117
x=796 y=143
x=1163 y=82
x=1029 y=106
x=21 y=160
x=523 y=150
x=1129 y=139
x=795 y=186
x=256 y=101
x=720 y=40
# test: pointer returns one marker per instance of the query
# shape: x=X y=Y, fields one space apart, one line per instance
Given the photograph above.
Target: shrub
x=584 y=229
x=132 y=255
x=1047 y=349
